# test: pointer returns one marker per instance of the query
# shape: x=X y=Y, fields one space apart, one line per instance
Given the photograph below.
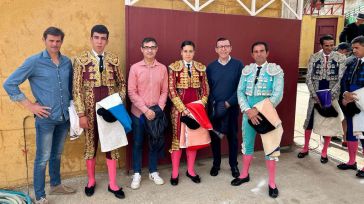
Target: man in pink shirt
x=147 y=87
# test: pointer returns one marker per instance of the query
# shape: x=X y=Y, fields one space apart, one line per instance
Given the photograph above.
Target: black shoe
x=238 y=181
x=214 y=171
x=119 y=193
x=344 y=166
x=174 y=181
x=360 y=174
x=324 y=160
x=302 y=154
x=89 y=191
x=273 y=192
x=335 y=138
x=235 y=172
x=195 y=179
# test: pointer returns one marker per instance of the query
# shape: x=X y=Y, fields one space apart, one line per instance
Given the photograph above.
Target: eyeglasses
x=223 y=46
x=150 y=48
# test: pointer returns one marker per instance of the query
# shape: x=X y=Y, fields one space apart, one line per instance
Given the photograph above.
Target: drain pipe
x=25 y=151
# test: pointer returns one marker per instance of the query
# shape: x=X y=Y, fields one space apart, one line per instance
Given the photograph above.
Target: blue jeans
x=138 y=137
x=50 y=138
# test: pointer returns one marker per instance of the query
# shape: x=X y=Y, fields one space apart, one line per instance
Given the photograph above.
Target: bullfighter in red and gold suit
x=96 y=75
x=187 y=83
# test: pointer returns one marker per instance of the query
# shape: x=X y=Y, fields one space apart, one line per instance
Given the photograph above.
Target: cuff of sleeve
x=178 y=104
x=204 y=100
x=161 y=105
x=246 y=109
x=18 y=97
x=232 y=102
x=144 y=109
x=345 y=93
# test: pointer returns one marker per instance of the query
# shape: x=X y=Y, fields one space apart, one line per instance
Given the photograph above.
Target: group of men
x=96 y=74
x=332 y=114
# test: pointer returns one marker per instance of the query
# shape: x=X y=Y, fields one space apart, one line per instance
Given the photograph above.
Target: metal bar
x=130 y=2
x=265 y=6
x=337 y=8
x=253 y=7
x=205 y=4
x=301 y=10
x=190 y=5
x=245 y=7
x=289 y=7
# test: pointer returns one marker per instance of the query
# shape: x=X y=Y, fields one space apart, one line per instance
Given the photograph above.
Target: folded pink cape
x=199 y=138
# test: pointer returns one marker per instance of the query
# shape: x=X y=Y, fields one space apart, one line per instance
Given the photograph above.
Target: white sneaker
x=137 y=178
x=42 y=200
x=156 y=178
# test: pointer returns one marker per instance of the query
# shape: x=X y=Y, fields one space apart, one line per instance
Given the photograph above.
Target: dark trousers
x=232 y=127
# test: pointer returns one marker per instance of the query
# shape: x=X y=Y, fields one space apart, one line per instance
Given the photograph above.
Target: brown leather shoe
x=61 y=189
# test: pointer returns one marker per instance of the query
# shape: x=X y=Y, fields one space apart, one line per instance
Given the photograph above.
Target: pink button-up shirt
x=147 y=86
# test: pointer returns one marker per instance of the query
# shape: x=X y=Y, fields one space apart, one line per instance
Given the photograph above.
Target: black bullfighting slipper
x=324 y=160
x=344 y=166
x=195 y=179
x=302 y=154
x=119 y=193
x=360 y=174
x=174 y=181
x=238 y=181
x=89 y=191
x=273 y=192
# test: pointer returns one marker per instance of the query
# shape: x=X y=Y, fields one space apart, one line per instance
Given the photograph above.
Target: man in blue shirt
x=223 y=77
x=49 y=75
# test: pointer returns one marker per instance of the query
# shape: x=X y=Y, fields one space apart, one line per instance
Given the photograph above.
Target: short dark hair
x=149 y=39
x=359 y=39
x=187 y=42
x=53 y=31
x=100 y=29
x=344 y=46
x=260 y=43
x=222 y=39
x=326 y=37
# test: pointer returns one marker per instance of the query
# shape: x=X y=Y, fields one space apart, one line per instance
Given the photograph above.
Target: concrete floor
x=299 y=180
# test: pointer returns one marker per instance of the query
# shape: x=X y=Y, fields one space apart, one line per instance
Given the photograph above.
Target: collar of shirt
x=226 y=61
x=45 y=54
x=325 y=55
x=96 y=55
x=256 y=65
x=362 y=59
x=185 y=63
x=155 y=63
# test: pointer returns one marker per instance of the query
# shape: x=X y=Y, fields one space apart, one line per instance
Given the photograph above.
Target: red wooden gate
x=324 y=26
x=171 y=27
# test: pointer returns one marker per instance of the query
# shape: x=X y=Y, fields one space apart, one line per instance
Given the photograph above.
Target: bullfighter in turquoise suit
x=259 y=80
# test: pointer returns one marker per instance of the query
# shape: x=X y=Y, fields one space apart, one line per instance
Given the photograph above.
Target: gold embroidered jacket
x=86 y=76
x=179 y=79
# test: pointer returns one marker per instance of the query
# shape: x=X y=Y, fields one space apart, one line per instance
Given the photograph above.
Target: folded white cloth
x=358 y=124
x=271 y=140
x=111 y=135
x=75 y=128
x=329 y=126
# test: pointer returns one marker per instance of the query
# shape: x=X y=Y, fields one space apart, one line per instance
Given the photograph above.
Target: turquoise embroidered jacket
x=270 y=83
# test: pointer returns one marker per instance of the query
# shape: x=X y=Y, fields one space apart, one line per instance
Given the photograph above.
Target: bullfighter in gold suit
x=96 y=75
